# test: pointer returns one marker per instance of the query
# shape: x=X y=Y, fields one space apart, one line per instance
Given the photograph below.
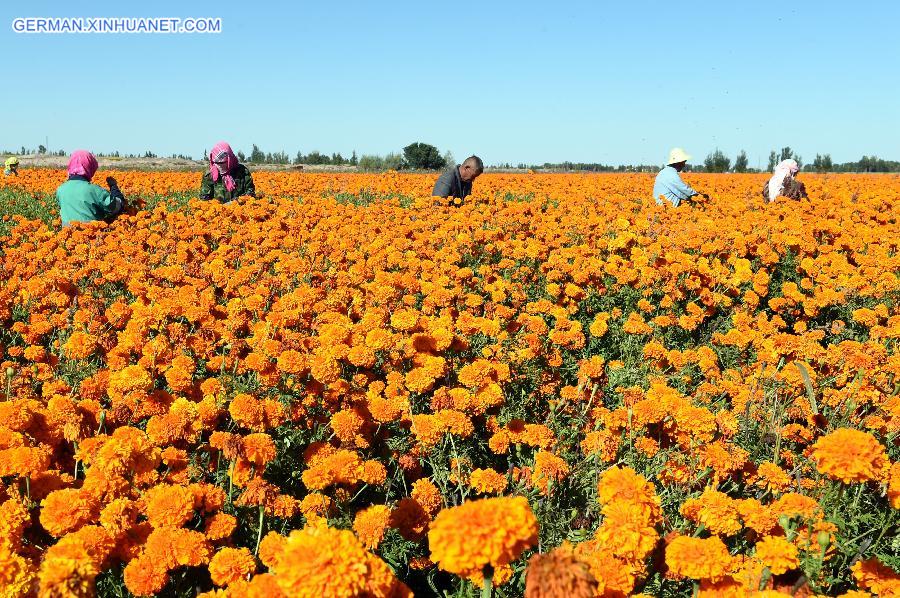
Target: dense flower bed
x=558 y=387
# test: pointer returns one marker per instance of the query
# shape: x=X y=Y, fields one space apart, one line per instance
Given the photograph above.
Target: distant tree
x=786 y=153
x=42 y=149
x=822 y=163
x=315 y=157
x=298 y=159
x=353 y=159
x=149 y=154
x=370 y=163
x=740 y=163
x=337 y=158
x=773 y=160
x=241 y=157
x=717 y=161
x=448 y=158
x=423 y=156
x=23 y=150
x=393 y=162
x=256 y=155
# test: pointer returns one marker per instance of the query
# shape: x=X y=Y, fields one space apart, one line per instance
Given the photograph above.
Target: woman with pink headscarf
x=783 y=182
x=226 y=179
x=82 y=201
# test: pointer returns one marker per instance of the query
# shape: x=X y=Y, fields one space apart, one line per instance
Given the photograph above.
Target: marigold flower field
x=558 y=388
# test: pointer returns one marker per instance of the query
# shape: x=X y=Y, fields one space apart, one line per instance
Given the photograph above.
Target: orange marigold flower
x=714 y=510
x=699 y=558
x=492 y=531
x=66 y=510
x=558 y=573
x=879 y=579
x=624 y=484
x=428 y=495
x=259 y=449
x=230 y=565
x=487 y=481
x=169 y=505
x=370 y=525
x=548 y=469
x=776 y=553
x=850 y=456
x=219 y=526
x=321 y=562
x=145 y=577
x=893 y=489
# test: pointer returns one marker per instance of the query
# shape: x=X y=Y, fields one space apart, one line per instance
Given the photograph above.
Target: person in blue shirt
x=668 y=182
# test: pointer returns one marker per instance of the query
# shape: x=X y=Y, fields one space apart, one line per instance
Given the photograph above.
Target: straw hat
x=678 y=155
x=11 y=161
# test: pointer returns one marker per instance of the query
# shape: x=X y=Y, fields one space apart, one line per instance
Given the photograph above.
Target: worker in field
x=669 y=184
x=11 y=166
x=226 y=179
x=82 y=201
x=784 y=182
x=455 y=183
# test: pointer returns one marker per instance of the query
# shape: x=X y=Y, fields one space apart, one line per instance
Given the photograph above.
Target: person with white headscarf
x=784 y=183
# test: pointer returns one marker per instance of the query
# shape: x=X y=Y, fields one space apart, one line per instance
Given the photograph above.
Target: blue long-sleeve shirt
x=669 y=184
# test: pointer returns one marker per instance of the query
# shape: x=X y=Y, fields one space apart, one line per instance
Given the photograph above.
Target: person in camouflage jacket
x=226 y=179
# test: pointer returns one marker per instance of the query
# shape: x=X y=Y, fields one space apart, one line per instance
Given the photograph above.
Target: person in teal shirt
x=82 y=201
x=668 y=183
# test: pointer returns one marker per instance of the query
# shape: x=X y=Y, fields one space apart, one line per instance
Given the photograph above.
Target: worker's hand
x=111 y=182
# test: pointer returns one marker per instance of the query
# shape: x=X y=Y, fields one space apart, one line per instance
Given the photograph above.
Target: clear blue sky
x=512 y=81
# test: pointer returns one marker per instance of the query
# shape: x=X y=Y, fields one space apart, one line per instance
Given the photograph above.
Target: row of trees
x=717 y=161
x=417 y=156
x=423 y=156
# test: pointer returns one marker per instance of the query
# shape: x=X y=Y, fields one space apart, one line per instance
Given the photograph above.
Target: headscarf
x=219 y=151
x=83 y=163
x=784 y=169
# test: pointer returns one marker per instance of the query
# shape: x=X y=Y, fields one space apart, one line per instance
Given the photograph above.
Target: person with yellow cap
x=668 y=182
x=11 y=166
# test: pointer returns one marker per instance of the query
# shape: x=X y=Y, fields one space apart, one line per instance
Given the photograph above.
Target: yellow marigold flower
x=776 y=553
x=492 y=531
x=230 y=565
x=850 y=456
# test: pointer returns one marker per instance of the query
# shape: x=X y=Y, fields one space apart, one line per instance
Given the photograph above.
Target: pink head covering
x=222 y=152
x=83 y=163
x=784 y=169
